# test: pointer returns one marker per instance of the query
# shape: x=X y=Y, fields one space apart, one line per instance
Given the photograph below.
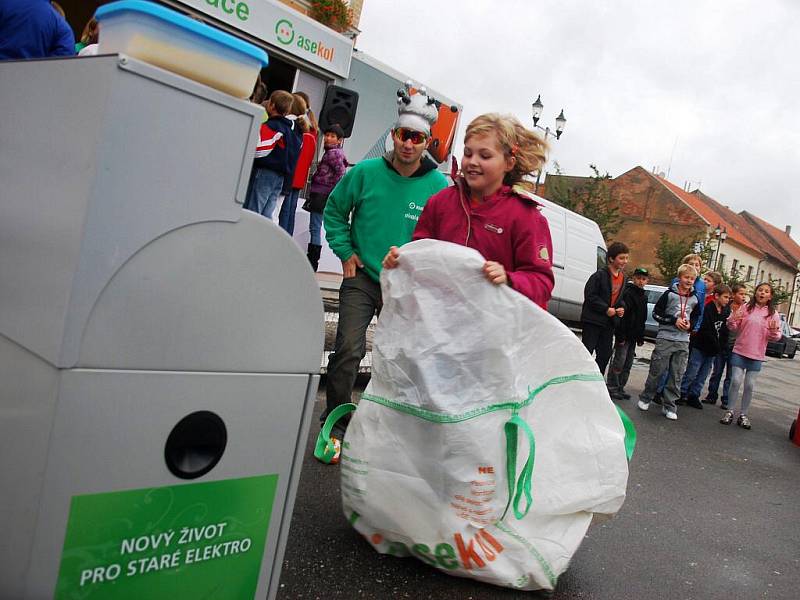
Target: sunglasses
x=416 y=137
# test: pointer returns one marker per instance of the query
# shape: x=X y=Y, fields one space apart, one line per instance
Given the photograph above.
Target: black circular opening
x=195 y=444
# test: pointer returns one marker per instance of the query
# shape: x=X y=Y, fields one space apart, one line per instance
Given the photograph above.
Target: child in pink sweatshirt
x=488 y=208
x=756 y=323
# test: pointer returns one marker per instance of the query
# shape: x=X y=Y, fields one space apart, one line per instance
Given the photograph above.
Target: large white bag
x=467 y=378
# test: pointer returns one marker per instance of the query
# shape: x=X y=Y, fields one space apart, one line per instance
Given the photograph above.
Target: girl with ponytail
x=491 y=208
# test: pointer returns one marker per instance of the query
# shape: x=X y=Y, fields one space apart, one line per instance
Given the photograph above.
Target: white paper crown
x=418 y=111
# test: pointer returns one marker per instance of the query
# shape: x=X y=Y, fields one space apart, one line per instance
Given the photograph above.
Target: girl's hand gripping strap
x=324 y=449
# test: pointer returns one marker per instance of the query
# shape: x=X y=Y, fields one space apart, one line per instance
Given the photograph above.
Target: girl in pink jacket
x=489 y=210
x=756 y=323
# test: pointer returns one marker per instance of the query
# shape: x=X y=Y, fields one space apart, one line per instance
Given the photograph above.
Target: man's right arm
x=336 y=217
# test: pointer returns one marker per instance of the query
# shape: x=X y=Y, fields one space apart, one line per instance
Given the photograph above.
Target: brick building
x=648 y=207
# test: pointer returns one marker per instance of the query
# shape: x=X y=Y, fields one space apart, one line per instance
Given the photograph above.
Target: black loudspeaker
x=339 y=107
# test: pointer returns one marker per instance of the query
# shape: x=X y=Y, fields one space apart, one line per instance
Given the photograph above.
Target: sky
x=704 y=91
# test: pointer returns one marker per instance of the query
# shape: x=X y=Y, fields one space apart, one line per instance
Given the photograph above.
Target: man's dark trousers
x=598 y=339
x=359 y=300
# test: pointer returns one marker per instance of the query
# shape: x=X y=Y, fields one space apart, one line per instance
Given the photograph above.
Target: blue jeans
x=263 y=191
x=722 y=362
x=697 y=371
x=315 y=227
x=288 y=208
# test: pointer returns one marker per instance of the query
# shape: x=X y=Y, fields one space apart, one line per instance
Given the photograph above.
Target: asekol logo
x=284 y=31
x=285 y=34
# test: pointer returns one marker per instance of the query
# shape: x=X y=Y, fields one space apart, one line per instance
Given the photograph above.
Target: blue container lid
x=184 y=22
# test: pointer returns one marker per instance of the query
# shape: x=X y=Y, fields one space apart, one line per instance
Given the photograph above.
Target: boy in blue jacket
x=276 y=156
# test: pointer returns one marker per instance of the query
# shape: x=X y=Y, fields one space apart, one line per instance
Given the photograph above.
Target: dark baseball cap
x=641 y=271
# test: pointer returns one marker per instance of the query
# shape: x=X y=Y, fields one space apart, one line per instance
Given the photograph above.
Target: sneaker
x=616 y=395
x=743 y=422
x=681 y=401
x=727 y=419
x=659 y=398
x=643 y=405
x=670 y=414
x=337 y=446
x=709 y=400
x=723 y=404
x=625 y=395
x=694 y=402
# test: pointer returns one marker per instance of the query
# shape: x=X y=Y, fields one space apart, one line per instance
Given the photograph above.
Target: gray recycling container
x=159 y=346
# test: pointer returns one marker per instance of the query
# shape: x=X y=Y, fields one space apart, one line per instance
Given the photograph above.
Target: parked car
x=653 y=293
x=787 y=345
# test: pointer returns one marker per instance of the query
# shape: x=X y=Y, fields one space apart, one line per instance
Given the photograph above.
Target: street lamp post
x=721 y=235
x=561 y=121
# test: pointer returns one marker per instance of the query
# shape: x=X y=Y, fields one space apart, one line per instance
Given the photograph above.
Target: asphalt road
x=713 y=512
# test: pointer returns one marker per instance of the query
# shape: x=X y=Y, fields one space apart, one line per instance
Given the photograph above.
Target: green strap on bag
x=324 y=449
x=517 y=487
x=521 y=486
x=630 y=433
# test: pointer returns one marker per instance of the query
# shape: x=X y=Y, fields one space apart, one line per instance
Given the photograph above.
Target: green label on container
x=198 y=540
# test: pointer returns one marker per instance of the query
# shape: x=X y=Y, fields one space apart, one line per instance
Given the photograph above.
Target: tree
x=670 y=253
x=731 y=277
x=780 y=294
x=591 y=198
x=705 y=250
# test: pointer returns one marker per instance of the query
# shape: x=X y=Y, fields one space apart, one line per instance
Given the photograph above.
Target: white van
x=578 y=251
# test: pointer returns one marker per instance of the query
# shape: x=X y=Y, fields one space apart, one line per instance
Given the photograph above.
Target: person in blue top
x=33 y=29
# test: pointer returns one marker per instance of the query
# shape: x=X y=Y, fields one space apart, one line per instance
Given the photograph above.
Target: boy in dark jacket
x=603 y=304
x=705 y=345
x=629 y=334
x=276 y=155
x=722 y=362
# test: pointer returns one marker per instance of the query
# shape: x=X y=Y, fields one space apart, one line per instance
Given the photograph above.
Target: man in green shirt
x=376 y=205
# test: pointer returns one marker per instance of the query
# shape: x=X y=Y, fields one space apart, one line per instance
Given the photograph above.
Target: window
x=602 y=260
x=762 y=276
x=721 y=263
x=749 y=273
x=734 y=267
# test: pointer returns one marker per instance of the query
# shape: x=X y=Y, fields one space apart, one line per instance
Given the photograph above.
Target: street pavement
x=712 y=513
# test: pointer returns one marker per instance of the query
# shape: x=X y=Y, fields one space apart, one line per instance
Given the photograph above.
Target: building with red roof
x=742 y=244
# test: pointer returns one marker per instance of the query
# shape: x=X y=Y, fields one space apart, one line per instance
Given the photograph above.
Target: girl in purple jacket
x=756 y=323
x=489 y=208
x=330 y=170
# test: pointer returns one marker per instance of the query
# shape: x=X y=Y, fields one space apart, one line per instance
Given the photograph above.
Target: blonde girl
x=490 y=208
